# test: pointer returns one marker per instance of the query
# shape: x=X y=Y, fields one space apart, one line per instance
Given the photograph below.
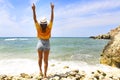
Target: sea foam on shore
x=28 y=70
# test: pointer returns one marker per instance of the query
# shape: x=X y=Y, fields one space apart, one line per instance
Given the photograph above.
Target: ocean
x=18 y=54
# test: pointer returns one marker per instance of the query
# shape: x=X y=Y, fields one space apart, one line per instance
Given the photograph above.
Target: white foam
x=82 y=66
x=17 y=66
x=13 y=39
x=23 y=39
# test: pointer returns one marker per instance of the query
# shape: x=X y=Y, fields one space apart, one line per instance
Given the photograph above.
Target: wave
x=11 y=39
x=17 y=66
x=14 y=39
x=23 y=39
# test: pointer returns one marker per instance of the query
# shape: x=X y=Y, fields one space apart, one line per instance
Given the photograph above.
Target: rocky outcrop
x=111 y=53
x=109 y=35
x=103 y=36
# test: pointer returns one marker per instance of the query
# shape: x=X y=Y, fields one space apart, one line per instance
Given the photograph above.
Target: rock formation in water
x=109 y=35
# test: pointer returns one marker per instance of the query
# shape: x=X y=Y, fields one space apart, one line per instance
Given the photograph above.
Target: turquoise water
x=63 y=49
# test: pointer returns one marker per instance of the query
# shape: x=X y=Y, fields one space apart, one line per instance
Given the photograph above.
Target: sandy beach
x=69 y=71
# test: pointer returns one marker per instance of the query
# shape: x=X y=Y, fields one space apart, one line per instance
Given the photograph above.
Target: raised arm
x=34 y=13
x=52 y=12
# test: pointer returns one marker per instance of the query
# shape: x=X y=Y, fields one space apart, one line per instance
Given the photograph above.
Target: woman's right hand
x=33 y=6
x=52 y=5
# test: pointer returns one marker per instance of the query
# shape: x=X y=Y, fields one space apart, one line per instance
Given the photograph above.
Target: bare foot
x=41 y=74
x=44 y=77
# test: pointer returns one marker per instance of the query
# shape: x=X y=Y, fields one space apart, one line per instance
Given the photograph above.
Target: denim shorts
x=43 y=44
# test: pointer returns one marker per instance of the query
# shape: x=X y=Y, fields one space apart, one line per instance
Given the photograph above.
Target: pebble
x=71 y=75
x=65 y=67
x=52 y=65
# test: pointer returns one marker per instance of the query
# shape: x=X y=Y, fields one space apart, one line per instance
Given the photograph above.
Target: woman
x=43 y=33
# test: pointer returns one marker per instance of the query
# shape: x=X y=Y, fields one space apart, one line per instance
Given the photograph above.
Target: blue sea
x=20 y=52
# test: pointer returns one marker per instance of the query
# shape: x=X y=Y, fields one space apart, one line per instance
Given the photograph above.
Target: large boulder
x=111 y=52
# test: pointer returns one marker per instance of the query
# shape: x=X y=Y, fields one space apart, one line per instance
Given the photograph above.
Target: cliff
x=111 y=52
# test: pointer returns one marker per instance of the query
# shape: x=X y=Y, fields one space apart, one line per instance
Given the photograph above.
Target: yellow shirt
x=42 y=35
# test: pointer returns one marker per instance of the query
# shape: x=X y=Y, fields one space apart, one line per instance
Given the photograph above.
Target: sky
x=72 y=18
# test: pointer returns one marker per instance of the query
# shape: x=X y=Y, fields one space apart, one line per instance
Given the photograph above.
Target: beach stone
x=78 y=77
x=17 y=78
x=82 y=73
x=56 y=78
x=64 y=79
x=89 y=79
x=69 y=77
x=24 y=75
x=76 y=70
x=38 y=77
x=52 y=65
x=111 y=52
x=63 y=75
x=72 y=73
x=4 y=76
x=96 y=76
x=9 y=77
x=44 y=79
x=65 y=67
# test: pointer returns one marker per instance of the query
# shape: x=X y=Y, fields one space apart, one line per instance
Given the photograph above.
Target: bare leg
x=40 y=60
x=46 y=55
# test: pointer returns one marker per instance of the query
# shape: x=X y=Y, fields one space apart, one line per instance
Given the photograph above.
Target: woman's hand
x=34 y=13
x=33 y=6
x=52 y=6
x=52 y=12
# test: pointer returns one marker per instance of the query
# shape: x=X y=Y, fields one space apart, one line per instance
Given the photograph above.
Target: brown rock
x=65 y=67
x=24 y=75
x=111 y=53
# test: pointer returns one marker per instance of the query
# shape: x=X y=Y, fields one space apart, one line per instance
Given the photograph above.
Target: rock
x=56 y=78
x=108 y=35
x=17 y=78
x=73 y=73
x=93 y=37
x=70 y=77
x=75 y=70
x=38 y=77
x=104 y=74
x=64 y=79
x=9 y=78
x=111 y=52
x=65 y=67
x=103 y=36
x=4 y=76
x=52 y=65
x=63 y=75
x=24 y=75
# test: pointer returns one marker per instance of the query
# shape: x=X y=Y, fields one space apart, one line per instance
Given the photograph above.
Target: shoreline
x=70 y=71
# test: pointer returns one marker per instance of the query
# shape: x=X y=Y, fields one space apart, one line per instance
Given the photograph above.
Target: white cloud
x=68 y=18
x=86 y=8
x=93 y=14
x=13 y=25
